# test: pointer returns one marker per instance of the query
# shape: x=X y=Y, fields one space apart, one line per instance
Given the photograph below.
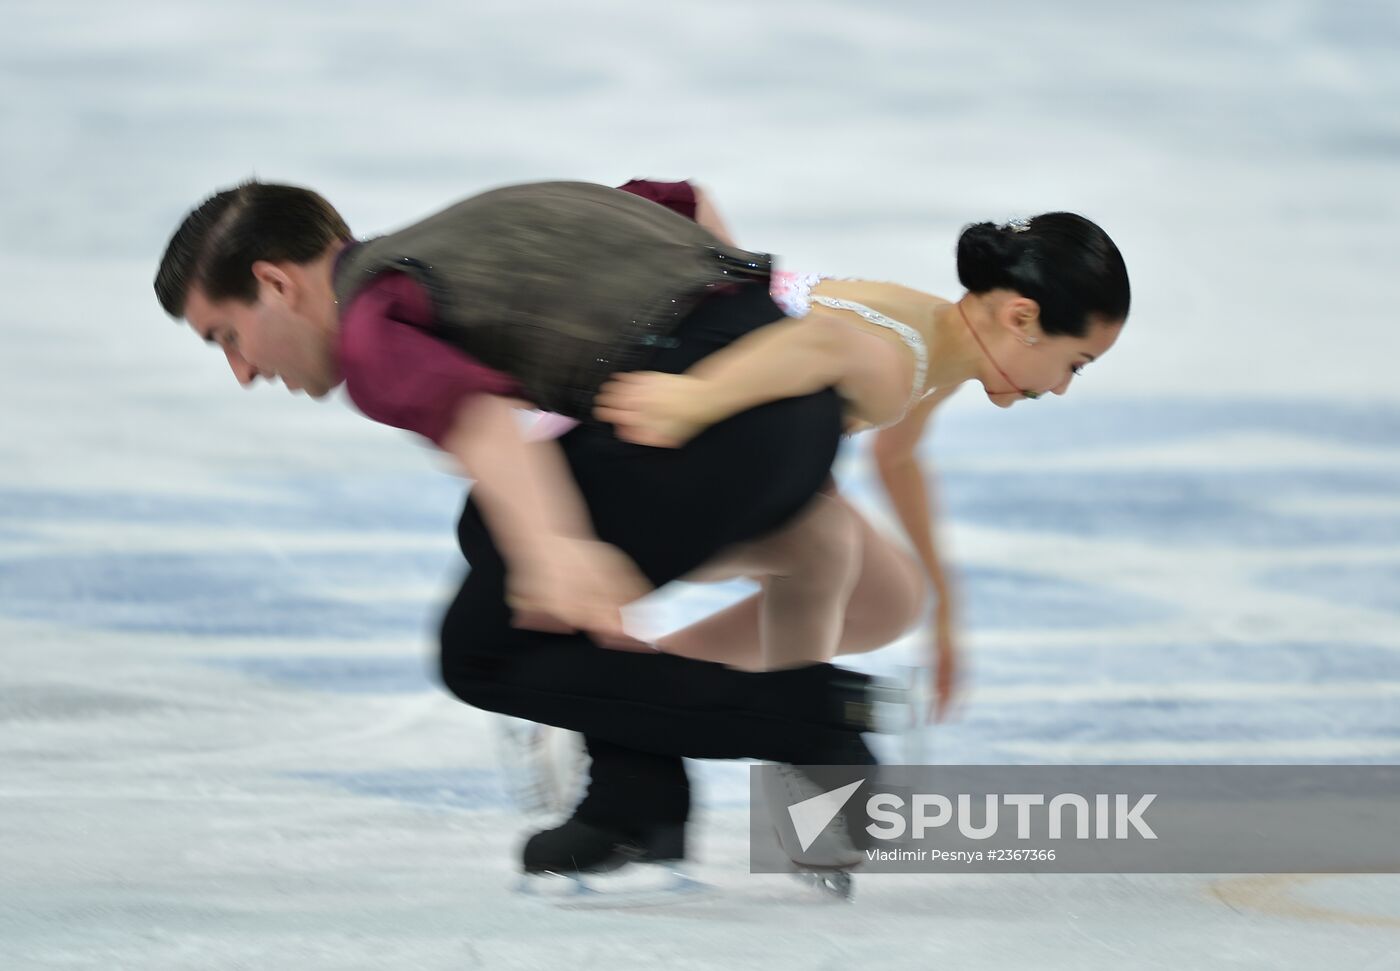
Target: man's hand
x=556 y=579
x=567 y=584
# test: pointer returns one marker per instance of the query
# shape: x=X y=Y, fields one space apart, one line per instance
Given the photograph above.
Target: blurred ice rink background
x=222 y=743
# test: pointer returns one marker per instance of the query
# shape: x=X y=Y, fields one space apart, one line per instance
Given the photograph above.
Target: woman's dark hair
x=218 y=243
x=1062 y=261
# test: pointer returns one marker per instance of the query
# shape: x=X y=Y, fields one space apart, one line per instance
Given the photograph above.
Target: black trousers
x=670 y=510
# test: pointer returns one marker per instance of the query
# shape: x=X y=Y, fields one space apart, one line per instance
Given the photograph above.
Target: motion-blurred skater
x=543 y=291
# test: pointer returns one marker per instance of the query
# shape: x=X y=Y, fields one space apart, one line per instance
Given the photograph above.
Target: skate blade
x=832 y=852
x=836 y=886
x=638 y=885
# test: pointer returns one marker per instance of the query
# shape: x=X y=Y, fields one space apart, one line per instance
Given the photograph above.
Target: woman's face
x=1045 y=365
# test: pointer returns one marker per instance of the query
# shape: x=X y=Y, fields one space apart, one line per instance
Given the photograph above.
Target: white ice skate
x=543 y=767
x=825 y=862
x=896 y=707
x=900 y=710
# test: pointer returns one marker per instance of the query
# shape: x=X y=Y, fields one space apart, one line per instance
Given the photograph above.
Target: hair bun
x=1062 y=261
x=986 y=254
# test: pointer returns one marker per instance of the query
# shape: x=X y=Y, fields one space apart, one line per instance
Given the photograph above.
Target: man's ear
x=273 y=280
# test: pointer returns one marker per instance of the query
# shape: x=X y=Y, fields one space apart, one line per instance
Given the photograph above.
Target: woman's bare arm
x=781 y=360
x=909 y=485
x=896 y=459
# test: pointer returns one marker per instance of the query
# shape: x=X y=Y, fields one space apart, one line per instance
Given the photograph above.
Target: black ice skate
x=582 y=864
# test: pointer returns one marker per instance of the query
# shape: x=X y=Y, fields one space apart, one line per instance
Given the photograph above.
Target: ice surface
x=222 y=744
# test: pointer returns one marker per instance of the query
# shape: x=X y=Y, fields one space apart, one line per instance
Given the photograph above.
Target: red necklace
x=988 y=354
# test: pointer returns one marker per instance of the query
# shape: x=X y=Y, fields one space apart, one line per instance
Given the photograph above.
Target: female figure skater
x=1044 y=297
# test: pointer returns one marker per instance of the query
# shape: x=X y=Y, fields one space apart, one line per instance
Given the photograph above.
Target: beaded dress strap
x=909 y=335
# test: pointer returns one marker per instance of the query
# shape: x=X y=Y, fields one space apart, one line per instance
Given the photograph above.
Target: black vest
x=558 y=284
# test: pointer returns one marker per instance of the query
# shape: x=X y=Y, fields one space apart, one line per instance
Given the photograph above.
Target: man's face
x=270 y=338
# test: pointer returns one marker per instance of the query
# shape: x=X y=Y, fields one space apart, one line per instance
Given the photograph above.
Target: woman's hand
x=944 y=662
x=653 y=408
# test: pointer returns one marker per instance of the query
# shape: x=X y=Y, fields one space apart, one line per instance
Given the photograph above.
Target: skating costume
x=792 y=291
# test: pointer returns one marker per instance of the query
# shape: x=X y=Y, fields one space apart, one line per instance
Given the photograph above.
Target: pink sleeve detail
x=397 y=373
x=550 y=425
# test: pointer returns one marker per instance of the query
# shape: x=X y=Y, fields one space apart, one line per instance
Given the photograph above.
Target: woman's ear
x=1021 y=315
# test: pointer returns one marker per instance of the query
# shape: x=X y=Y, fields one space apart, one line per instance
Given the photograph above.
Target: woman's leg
x=807 y=570
x=886 y=600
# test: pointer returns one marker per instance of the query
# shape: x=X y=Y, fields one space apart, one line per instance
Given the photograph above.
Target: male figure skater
x=545 y=290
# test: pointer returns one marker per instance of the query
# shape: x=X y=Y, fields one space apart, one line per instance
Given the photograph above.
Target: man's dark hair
x=218 y=243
